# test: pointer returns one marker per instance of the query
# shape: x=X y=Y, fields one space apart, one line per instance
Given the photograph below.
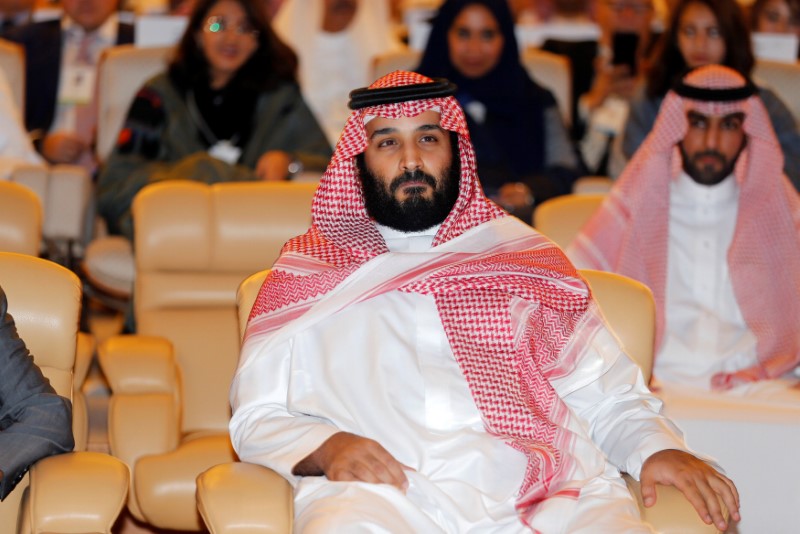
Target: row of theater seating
x=169 y=409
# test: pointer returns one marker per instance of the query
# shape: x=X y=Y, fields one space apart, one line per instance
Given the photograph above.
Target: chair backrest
x=561 y=218
x=45 y=300
x=122 y=71
x=12 y=63
x=782 y=78
x=403 y=59
x=552 y=72
x=194 y=245
x=65 y=194
x=590 y=185
x=630 y=310
x=20 y=219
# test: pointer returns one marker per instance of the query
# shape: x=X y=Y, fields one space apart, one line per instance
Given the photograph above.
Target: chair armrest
x=80 y=417
x=144 y=408
x=672 y=513
x=69 y=194
x=76 y=492
x=239 y=496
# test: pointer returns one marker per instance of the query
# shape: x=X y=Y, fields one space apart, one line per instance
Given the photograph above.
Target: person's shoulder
x=26 y=33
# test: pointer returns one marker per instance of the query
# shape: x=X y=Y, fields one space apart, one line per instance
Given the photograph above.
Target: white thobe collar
x=398 y=241
x=687 y=191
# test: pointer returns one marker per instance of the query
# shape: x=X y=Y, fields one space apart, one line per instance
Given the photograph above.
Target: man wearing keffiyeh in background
x=439 y=362
x=704 y=215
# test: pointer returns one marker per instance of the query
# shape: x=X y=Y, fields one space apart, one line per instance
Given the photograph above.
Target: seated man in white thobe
x=419 y=361
x=705 y=216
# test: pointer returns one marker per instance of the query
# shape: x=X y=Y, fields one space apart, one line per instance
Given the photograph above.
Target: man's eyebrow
x=695 y=114
x=391 y=129
x=734 y=115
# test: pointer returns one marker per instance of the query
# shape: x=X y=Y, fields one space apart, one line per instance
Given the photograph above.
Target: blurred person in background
x=336 y=42
x=524 y=152
x=703 y=32
x=14 y=13
x=227 y=109
x=776 y=16
x=61 y=58
x=15 y=146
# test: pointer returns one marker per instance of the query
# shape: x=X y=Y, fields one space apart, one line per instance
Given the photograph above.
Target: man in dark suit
x=60 y=70
x=34 y=421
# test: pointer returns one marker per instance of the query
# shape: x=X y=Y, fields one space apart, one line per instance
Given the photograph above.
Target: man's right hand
x=348 y=457
x=62 y=147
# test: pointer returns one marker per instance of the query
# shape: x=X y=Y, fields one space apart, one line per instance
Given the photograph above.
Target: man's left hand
x=700 y=483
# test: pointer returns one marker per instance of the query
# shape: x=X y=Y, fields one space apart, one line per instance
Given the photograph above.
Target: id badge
x=225 y=151
x=79 y=84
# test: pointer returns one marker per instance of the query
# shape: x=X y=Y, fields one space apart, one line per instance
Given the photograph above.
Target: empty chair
x=169 y=409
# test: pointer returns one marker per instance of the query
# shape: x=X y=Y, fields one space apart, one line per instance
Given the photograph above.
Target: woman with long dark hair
x=227 y=109
x=519 y=136
x=702 y=32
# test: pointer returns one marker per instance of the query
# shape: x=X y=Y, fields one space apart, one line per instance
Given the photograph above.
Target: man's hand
x=347 y=457
x=700 y=483
x=63 y=147
x=273 y=165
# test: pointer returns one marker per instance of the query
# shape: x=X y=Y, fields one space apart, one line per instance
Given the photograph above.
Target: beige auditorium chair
x=239 y=497
x=72 y=492
x=561 y=218
x=590 y=185
x=782 y=78
x=169 y=408
x=12 y=63
x=65 y=193
x=122 y=71
x=549 y=70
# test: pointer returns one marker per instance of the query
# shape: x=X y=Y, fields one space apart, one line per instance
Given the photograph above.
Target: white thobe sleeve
x=621 y=414
x=262 y=429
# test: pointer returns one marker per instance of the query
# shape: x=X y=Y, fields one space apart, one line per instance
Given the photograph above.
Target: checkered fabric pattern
x=506 y=365
x=628 y=234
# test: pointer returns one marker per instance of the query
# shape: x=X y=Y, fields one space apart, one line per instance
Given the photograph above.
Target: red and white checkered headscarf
x=628 y=234
x=507 y=370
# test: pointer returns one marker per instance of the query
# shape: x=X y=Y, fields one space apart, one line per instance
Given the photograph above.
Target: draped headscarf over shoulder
x=509 y=307
x=628 y=234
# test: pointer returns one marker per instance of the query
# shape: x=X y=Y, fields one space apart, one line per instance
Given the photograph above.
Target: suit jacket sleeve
x=34 y=421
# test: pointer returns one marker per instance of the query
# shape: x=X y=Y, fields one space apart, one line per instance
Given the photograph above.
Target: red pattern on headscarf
x=507 y=374
x=628 y=234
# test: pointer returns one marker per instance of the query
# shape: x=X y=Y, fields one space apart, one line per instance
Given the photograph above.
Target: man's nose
x=411 y=160
x=712 y=137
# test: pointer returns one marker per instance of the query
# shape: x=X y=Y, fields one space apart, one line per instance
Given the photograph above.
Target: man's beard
x=706 y=174
x=415 y=213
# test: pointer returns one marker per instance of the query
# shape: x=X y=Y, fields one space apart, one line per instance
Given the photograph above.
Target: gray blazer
x=34 y=421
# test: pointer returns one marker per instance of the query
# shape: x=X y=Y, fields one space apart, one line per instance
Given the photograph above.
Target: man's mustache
x=710 y=153
x=412 y=176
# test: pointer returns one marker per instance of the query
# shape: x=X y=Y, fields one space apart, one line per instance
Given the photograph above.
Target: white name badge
x=225 y=151
x=79 y=84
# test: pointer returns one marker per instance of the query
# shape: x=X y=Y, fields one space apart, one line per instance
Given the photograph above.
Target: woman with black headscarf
x=523 y=149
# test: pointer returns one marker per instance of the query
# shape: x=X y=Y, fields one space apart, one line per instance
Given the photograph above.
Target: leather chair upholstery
x=169 y=408
x=238 y=497
x=20 y=219
x=72 y=492
x=561 y=218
